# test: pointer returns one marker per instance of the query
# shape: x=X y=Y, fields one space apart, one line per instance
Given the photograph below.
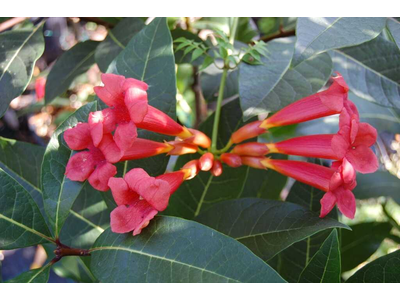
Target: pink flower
x=140 y=197
x=322 y=104
x=128 y=111
x=354 y=140
x=94 y=164
x=337 y=182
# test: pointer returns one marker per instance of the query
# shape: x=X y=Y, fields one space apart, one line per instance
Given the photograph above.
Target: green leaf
x=380 y=183
x=68 y=66
x=21 y=222
x=186 y=38
x=295 y=258
x=371 y=70
x=196 y=54
x=266 y=184
x=201 y=192
x=316 y=35
x=385 y=269
x=363 y=241
x=59 y=193
x=273 y=85
x=208 y=60
x=19 y=51
x=394 y=27
x=23 y=162
x=149 y=57
x=324 y=267
x=245 y=31
x=33 y=276
x=275 y=25
x=265 y=226
x=116 y=41
x=88 y=218
x=176 y=250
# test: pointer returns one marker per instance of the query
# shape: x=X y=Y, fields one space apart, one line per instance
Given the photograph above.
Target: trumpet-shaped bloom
x=128 y=111
x=353 y=142
x=140 y=197
x=322 y=104
x=94 y=164
x=143 y=148
x=337 y=182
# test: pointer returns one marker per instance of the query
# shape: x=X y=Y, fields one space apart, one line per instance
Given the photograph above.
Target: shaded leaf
x=149 y=57
x=360 y=243
x=116 y=41
x=204 y=190
x=380 y=183
x=59 y=193
x=23 y=162
x=266 y=184
x=382 y=270
x=21 y=222
x=33 y=276
x=89 y=217
x=265 y=226
x=316 y=35
x=176 y=250
x=180 y=58
x=18 y=54
x=295 y=258
x=371 y=70
x=68 y=66
x=394 y=27
x=324 y=266
x=210 y=79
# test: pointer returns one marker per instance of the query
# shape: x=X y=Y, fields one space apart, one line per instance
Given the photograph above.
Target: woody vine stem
x=221 y=89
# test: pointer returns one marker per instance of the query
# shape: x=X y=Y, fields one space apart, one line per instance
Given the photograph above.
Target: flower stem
x=221 y=89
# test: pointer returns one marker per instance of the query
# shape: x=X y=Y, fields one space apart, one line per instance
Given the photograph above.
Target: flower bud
x=191 y=169
x=253 y=162
x=248 y=131
x=251 y=149
x=232 y=160
x=206 y=161
x=216 y=168
x=181 y=148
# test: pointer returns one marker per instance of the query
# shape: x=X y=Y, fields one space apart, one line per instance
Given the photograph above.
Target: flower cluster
x=110 y=136
x=349 y=147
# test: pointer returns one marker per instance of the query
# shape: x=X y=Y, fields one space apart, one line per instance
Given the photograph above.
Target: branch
x=201 y=106
x=280 y=34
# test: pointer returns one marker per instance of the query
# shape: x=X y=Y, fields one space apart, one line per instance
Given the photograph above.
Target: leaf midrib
x=113 y=248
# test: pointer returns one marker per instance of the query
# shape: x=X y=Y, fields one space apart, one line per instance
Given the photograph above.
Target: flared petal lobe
x=78 y=137
x=101 y=175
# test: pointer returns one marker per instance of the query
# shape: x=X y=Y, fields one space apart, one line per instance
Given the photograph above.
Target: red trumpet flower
x=322 y=104
x=140 y=197
x=94 y=164
x=129 y=110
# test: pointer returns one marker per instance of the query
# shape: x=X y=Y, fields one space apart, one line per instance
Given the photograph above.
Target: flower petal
x=328 y=202
x=121 y=192
x=136 y=103
x=346 y=202
x=101 y=122
x=110 y=149
x=366 y=135
x=156 y=192
x=78 y=137
x=363 y=159
x=340 y=145
x=133 y=217
x=135 y=177
x=112 y=92
x=132 y=82
x=125 y=135
x=80 y=166
x=101 y=175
